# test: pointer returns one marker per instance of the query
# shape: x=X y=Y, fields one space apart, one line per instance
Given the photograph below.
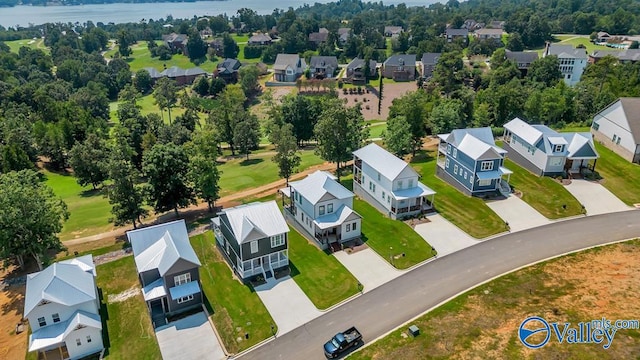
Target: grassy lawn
x=240 y=174
x=575 y=41
x=391 y=237
x=89 y=210
x=543 y=193
x=470 y=214
x=376 y=129
x=130 y=332
x=621 y=177
x=15 y=45
x=237 y=309
x=483 y=323
x=575 y=129
x=321 y=276
x=141 y=58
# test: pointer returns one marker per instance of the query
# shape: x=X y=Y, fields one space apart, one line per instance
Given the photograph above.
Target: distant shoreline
x=103 y=2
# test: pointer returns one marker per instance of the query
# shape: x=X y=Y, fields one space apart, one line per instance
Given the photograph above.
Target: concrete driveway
x=189 y=338
x=368 y=267
x=287 y=303
x=595 y=197
x=517 y=213
x=445 y=237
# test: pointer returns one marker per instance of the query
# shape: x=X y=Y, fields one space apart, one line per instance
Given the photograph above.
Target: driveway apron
x=368 y=267
x=517 y=213
x=189 y=338
x=595 y=197
x=445 y=237
x=287 y=303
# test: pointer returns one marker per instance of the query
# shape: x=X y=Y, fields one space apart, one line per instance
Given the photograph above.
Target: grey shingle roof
x=631 y=108
x=522 y=56
x=457 y=32
x=401 y=59
x=323 y=61
x=284 y=60
x=430 y=58
x=357 y=63
x=567 y=51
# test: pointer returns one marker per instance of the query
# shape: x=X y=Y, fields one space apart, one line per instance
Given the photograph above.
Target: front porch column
x=594 y=165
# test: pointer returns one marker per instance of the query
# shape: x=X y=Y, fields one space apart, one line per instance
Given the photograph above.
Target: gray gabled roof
x=68 y=283
x=393 y=29
x=161 y=246
x=255 y=221
x=522 y=56
x=285 y=60
x=173 y=72
x=318 y=36
x=487 y=31
x=524 y=131
x=323 y=61
x=316 y=185
x=401 y=59
x=358 y=63
x=580 y=145
x=382 y=161
x=430 y=58
x=194 y=71
x=566 y=51
x=477 y=143
x=260 y=38
x=344 y=30
x=457 y=32
x=228 y=66
x=631 y=109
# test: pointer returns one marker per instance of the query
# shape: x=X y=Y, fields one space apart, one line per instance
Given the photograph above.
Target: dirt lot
x=389 y=92
x=483 y=324
x=12 y=346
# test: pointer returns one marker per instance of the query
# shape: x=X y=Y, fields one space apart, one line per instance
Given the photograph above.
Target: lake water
x=121 y=13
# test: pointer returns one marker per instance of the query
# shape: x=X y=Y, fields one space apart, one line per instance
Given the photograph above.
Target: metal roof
x=580 y=146
x=316 y=185
x=566 y=51
x=387 y=164
x=336 y=218
x=414 y=192
x=524 y=131
x=476 y=143
x=154 y=290
x=65 y=283
x=255 y=221
x=183 y=290
x=56 y=333
x=161 y=246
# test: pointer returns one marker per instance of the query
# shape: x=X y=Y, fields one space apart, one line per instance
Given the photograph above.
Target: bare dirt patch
x=483 y=323
x=129 y=293
x=389 y=92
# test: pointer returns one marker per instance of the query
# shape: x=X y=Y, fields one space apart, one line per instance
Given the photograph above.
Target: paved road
x=411 y=294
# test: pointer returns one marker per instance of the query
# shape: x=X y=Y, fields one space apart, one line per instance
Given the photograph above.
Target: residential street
x=396 y=302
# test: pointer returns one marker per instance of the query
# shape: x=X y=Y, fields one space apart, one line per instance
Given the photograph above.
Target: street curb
x=487 y=281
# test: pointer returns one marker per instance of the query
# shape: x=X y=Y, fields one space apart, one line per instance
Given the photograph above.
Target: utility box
x=414 y=331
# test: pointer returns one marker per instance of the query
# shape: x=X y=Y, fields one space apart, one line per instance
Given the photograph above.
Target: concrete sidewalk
x=189 y=338
x=287 y=303
x=445 y=237
x=368 y=267
x=517 y=213
x=595 y=197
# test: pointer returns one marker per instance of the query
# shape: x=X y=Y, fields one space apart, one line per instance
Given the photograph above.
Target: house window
x=399 y=184
x=448 y=148
x=277 y=240
x=378 y=176
x=595 y=126
x=614 y=137
x=383 y=195
x=78 y=342
x=42 y=321
x=555 y=161
x=486 y=166
x=353 y=226
x=471 y=178
x=300 y=201
x=182 y=279
x=410 y=183
x=485 y=182
x=446 y=163
x=455 y=152
x=389 y=199
x=465 y=175
x=618 y=141
x=373 y=187
x=321 y=209
x=56 y=318
x=329 y=208
x=88 y=339
x=455 y=169
x=185 y=299
x=557 y=148
x=254 y=246
x=295 y=195
x=348 y=227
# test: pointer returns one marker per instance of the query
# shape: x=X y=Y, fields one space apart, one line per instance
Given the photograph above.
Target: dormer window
x=486 y=166
x=557 y=148
x=42 y=321
x=56 y=318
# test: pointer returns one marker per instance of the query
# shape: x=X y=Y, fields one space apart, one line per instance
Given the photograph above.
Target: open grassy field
x=483 y=323
x=130 y=333
x=321 y=276
x=621 y=177
x=239 y=174
x=89 y=210
x=578 y=40
x=15 y=45
x=236 y=307
x=376 y=128
x=140 y=58
x=470 y=214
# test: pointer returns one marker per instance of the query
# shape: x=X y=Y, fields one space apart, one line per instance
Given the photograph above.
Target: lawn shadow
x=207 y=304
x=248 y=162
x=104 y=315
x=92 y=192
x=293 y=270
x=421 y=157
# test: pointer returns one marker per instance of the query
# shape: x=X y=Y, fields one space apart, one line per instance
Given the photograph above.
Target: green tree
x=339 y=132
x=166 y=95
x=397 y=137
x=414 y=107
x=301 y=112
x=449 y=71
x=203 y=170
x=287 y=156
x=514 y=42
x=196 y=47
x=446 y=115
x=216 y=86
x=31 y=216
x=545 y=70
x=246 y=134
x=230 y=48
x=231 y=110
x=249 y=80
x=89 y=161
x=143 y=81
x=125 y=39
x=201 y=86
x=166 y=167
x=125 y=194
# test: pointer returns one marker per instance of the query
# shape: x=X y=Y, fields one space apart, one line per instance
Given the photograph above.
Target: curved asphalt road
x=398 y=301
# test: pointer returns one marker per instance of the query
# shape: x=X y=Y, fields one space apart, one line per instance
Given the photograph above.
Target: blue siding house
x=469 y=160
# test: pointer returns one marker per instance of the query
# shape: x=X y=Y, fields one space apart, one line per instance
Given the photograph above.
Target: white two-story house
x=323 y=208
x=388 y=183
x=572 y=61
x=62 y=306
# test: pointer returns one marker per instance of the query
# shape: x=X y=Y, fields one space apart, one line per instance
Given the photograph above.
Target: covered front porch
x=58 y=352
x=580 y=165
x=501 y=184
x=407 y=202
x=263 y=265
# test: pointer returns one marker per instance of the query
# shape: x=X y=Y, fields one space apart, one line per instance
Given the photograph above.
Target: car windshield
x=335 y=343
